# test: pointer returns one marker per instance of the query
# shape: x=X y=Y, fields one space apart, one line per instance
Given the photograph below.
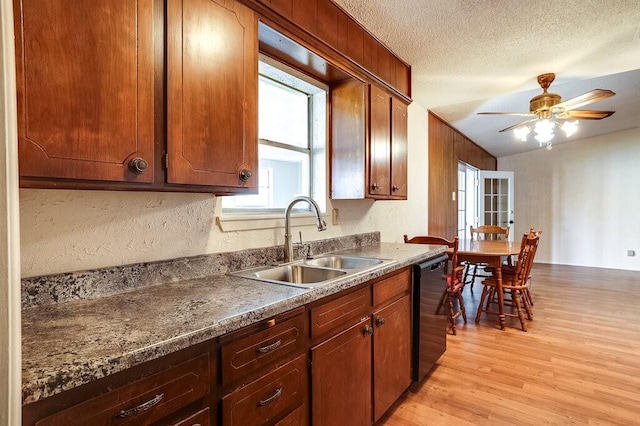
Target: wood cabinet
x=212 y=87
x=361 y=363
x=391 y=354
x=91 y=98
x=262 y=401
x=341 y=377
x=172 y=390
x=264 y=372
x=369 y=143
x=85 y=89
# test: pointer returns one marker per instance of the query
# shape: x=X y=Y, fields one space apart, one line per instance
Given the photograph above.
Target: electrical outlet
x=334 y=217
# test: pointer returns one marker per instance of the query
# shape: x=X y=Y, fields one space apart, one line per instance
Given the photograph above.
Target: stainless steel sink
x=344 y=262
x=298 y=274
x=312 y=272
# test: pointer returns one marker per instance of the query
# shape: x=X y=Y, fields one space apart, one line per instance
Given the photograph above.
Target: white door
x=495 y=199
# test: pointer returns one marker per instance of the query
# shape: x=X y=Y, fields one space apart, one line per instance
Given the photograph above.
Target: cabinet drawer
x=297 y=417
x=253 y=352
x=332 y=314
x=143 y=401
x=267 y=397
x=201 y=418
x=391 y=287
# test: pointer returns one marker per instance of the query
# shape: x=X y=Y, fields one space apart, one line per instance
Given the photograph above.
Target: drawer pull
x=275 y=345
x=272 y=398
x=141 y=408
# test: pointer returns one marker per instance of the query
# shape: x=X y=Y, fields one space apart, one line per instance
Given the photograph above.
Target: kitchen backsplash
x=58 y=288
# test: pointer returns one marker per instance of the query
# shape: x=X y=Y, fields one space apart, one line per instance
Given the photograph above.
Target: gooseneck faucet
x=288 y=244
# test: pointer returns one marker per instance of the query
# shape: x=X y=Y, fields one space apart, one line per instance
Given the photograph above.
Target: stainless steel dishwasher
x=429 y=326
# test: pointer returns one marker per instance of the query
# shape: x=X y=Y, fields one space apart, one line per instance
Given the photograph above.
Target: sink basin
x=312 y=272
x=298 y=275
x=344 y=262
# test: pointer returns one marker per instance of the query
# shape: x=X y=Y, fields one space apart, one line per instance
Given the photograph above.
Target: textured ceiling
x=469 y=56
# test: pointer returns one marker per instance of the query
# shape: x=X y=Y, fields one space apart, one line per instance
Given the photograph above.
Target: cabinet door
x=379 y=141
x=85 y=88
x=398 y=149
x=391 y=354
x=341 y=378
x=212 y=67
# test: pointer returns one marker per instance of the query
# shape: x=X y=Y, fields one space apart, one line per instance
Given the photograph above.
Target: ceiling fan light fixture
x=544 y=130
x=522 y=132
x=569 y=127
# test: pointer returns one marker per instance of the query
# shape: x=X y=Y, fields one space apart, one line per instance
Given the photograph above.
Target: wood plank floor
x=578 y=363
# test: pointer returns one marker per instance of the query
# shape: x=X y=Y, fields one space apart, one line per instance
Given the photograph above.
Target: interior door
x=495 y=199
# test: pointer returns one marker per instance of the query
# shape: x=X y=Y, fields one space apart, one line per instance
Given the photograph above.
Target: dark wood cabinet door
x=391 y=353
x=212 y=66
x=379 y=141
x=85 y=78
x=398 y=149
x=341 y=378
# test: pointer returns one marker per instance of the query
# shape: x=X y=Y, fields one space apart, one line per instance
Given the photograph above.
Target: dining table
x=491 y=252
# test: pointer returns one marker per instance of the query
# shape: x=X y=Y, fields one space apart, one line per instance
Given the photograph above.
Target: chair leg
x=463 y=310
x=483 y=296
x=515 y=296
x=452 y=314
x=527 y=303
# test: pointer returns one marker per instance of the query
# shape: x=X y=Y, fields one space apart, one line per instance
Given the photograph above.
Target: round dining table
x=491 y=252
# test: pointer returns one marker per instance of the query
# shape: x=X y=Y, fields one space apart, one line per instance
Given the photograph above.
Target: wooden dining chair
x=516 y=283
x=483 y=232
x=510 y=270
x=452 y=295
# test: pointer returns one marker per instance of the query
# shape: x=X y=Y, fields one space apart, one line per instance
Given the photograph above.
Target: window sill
x=232 y=223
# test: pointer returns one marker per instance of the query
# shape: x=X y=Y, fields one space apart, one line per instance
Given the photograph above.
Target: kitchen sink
x=344 y=262
x=312 y=272
x=298 y=275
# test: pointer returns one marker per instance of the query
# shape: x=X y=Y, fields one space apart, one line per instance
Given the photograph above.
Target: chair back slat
x=489 y=232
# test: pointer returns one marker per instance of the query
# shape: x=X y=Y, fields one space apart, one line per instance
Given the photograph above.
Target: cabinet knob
x=395 y=188
x=367 y=330
x=245 y=175
x=375 y=186
x=380 y=321
x=138 y=165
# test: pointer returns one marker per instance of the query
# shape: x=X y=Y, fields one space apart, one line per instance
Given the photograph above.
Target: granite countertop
x=69 y=344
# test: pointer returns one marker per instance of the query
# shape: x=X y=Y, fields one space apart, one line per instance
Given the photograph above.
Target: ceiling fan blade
x=584 y=99
x=522 y=123
x=585 y=114
x=519 y=114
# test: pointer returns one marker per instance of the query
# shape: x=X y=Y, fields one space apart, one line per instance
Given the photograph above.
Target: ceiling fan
x=547 y=109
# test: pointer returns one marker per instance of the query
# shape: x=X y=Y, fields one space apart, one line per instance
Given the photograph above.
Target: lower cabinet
x=341 y=377
x=363 y=365
x=175 y=393
x=266 y=399
x=391 y=354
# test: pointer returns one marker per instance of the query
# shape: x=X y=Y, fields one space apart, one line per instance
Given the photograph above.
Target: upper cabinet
x=368 y=143
x=91 y=99
x=85 y=89
x=212 y=86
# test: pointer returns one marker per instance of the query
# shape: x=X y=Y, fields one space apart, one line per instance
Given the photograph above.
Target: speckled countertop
x=65 y=345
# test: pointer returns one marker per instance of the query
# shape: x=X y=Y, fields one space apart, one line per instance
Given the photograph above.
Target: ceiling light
x=543 y=130
x=569 y=127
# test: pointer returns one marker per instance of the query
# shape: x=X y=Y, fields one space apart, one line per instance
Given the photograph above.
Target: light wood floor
x=578 y=363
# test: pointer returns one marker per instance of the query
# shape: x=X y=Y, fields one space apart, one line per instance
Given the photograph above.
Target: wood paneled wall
x=447 y=147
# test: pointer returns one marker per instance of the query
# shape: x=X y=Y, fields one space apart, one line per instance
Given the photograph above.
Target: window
x=292 y=117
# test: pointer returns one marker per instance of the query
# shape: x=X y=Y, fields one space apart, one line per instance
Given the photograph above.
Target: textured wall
x=584 y=196
x=66 y=230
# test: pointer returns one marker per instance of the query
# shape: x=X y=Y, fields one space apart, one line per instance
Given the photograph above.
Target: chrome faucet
x=288 y=244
